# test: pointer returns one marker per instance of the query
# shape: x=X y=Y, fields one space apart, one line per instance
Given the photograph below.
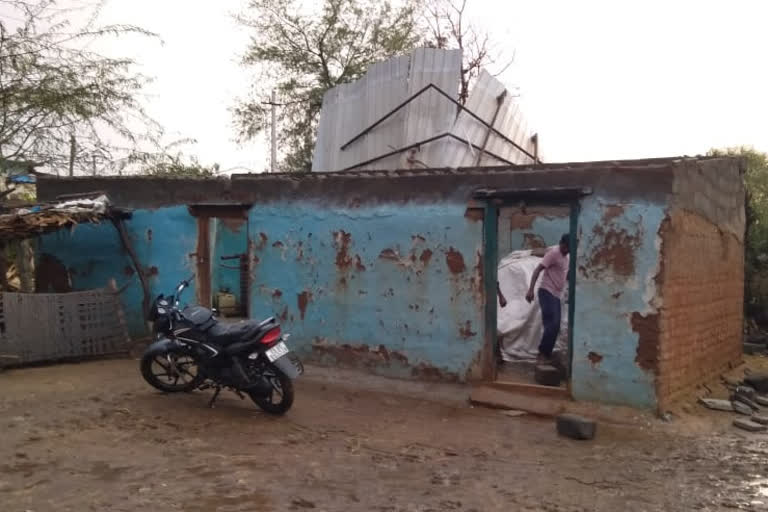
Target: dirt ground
x=94 y=436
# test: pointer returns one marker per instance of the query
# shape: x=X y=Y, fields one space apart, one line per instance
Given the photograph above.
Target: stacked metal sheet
x=430 y=129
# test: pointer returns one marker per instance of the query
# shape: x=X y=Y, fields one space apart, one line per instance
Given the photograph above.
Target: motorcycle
x=193 y=350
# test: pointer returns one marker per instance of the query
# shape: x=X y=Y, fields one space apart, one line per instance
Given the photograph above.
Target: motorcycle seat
x=224 y=334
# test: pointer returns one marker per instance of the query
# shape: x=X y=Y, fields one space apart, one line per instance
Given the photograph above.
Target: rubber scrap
x=749 y=425
x=762 y=419
x=745 y=391
x=746 y=401
x=742 y=408
x=759 y=381
x=716 y=404
x=576 y=427
x=761 y=400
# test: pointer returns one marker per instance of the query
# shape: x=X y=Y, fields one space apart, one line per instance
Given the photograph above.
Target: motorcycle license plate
x=277 y=352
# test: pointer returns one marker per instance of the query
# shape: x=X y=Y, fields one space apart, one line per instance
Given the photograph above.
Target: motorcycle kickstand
x=214 y=397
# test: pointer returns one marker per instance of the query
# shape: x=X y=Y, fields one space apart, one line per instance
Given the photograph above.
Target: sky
x=598 y=80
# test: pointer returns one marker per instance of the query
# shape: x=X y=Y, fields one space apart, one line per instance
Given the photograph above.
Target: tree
x=447 y=25
x=756 y=237
x=63 y=105
x=168 y=165
x=303 y=54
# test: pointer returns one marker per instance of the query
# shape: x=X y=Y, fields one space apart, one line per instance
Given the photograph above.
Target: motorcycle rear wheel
x=282 y=390
x=173 y=371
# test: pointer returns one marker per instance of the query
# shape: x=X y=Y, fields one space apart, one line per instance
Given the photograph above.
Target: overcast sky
x=598 y=79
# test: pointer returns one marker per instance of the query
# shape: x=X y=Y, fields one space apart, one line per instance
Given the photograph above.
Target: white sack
x=519 y=323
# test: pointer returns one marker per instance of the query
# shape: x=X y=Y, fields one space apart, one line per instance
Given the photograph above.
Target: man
x=555 y=268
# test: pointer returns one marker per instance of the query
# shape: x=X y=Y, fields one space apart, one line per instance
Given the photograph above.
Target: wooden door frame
x=203 y=257
x=494 y=200
x=204 y=213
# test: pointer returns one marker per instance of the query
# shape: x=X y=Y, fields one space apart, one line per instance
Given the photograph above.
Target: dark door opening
x=223 y=259
x=520 y=226
x=525 y=236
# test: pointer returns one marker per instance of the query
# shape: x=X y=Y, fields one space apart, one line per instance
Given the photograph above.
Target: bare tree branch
x=447 y=26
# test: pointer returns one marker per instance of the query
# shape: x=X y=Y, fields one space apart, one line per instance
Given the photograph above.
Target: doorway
x=520 y=227
x=222 y=259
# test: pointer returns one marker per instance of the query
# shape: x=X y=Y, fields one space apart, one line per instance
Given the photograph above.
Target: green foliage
x=165 y=163
x=302 y=54
x=175 y=166
x=756 y=247
x=53 y=88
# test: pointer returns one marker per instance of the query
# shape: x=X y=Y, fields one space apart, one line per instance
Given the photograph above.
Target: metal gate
x=38 y=327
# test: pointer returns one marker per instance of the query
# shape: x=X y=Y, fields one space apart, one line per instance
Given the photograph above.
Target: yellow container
x=226 y=304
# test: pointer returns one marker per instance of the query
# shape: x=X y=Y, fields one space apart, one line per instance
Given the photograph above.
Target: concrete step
x=534 y=403
x=531 y=389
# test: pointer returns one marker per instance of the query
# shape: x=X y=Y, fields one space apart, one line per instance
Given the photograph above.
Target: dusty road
x=95 y=437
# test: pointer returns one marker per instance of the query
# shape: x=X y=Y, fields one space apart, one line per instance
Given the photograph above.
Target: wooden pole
x=126 y=241
x=273 y=163
x=72 y=149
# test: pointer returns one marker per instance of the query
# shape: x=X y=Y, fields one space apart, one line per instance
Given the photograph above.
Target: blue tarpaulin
x=23 y=178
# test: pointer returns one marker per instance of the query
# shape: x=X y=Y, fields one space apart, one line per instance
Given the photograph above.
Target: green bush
x=756 y=243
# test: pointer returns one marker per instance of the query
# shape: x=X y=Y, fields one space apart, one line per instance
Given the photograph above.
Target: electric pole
x=72 y=149
x=273 y=163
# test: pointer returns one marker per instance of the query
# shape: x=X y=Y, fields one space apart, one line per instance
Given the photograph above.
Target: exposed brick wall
x=701 y=317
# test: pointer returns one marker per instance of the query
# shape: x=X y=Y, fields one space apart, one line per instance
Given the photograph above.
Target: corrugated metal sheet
x=430 y=114
x=350 y=108
x=509 y=121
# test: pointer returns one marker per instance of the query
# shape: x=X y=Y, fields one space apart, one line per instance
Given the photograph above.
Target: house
x=394 y=271
x=18 y=180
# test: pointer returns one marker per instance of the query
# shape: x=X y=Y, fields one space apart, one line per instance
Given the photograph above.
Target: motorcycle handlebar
x=181 y=287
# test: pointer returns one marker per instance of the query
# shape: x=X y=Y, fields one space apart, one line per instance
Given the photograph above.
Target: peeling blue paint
x=370 y=277
x=606 y=300
x=395 y=288
x=544 y=229
x=94 y=254
x=548 y=229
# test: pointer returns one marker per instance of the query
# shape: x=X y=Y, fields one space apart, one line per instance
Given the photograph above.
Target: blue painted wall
x=618 y=259
x=544 y=229
x=396 y=288
x=163 y=240
x=392 y=287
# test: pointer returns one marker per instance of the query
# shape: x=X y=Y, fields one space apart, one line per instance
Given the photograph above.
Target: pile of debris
x=756 y=344
x=30 y=220
x=747 y=399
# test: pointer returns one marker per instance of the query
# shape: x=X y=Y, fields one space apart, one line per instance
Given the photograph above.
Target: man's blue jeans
x=550 y=317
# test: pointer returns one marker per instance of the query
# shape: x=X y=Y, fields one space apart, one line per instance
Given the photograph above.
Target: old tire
x=282 y=387
x=158 y=373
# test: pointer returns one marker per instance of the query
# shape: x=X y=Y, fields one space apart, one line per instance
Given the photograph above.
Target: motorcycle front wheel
x=280 y=398
x=171 y=371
